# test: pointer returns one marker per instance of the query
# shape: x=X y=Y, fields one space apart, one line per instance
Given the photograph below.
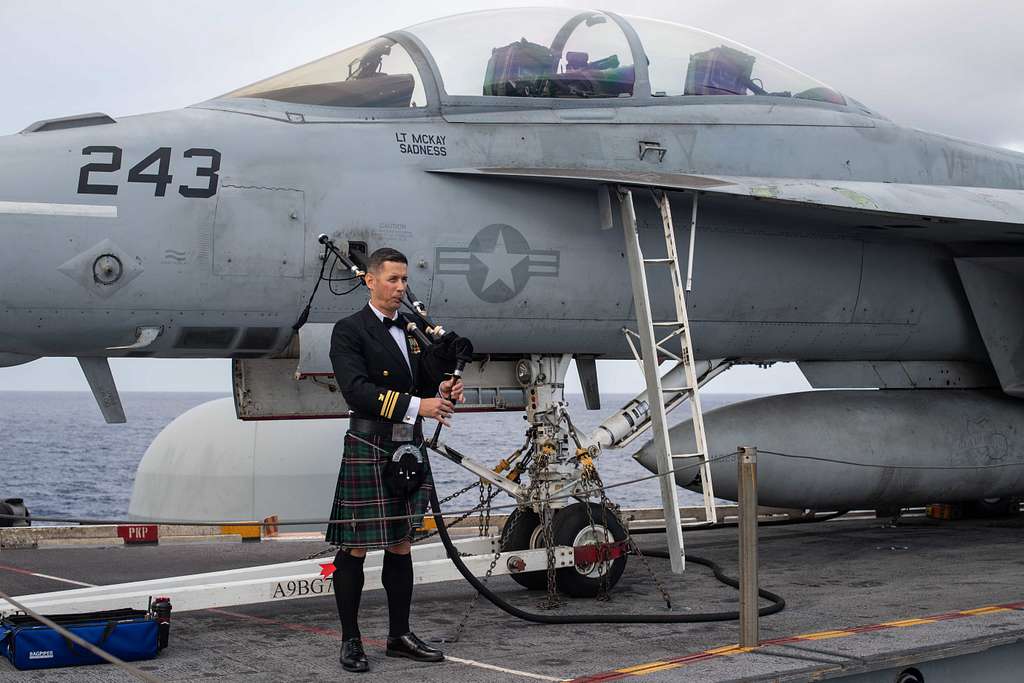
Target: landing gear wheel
x=572 y=527
x=526 y=534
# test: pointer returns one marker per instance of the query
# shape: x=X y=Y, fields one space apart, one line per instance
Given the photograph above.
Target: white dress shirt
x=399 y=336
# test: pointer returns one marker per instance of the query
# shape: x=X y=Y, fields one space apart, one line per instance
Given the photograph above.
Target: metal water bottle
x=162 y=612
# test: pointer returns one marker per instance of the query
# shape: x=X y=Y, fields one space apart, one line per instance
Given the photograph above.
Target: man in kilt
x=390 y=383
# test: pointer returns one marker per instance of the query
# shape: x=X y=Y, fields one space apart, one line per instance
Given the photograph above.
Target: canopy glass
x=378 y=73
x=543 y=52
x=540 y=53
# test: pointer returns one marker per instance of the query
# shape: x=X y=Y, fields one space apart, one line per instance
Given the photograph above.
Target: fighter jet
x=496 y=149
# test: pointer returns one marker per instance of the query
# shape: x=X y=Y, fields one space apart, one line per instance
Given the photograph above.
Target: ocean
x=60 y=457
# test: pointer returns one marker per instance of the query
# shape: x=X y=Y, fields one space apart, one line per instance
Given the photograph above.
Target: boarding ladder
x=647 y=343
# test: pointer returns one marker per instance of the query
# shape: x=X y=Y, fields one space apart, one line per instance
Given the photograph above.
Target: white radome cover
x=207 y=465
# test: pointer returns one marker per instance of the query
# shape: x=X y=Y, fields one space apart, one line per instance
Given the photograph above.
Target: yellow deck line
x=907 y=622
x=661 y=666
x=824 y=635
x=985 y=610
x=727 y=650
x=641 y=667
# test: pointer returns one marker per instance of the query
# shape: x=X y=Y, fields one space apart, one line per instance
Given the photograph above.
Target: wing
x=957 y=213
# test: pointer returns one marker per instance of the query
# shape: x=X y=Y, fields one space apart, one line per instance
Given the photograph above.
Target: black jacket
x=372 y=373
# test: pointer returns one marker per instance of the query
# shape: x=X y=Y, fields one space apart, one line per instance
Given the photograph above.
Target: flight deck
x=865 y=600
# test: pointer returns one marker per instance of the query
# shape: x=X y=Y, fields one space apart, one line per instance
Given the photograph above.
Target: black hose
x=732 y=525
x=778 y=603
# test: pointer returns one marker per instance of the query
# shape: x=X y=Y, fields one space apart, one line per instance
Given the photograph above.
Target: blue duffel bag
x=128 y=634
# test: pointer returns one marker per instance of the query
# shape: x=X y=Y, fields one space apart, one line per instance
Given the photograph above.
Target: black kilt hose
x=378 y=384
x=361 y=494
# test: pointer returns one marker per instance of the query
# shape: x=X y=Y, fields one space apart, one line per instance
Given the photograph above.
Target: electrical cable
x=892 y=467
x=330 y=256
x=304 y=316
x=332 y=280
x=308 y=522
x=347 y=291
x=606 y=487
x=778 y=603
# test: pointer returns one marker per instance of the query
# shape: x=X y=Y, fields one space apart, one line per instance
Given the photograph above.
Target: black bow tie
x=389 y=323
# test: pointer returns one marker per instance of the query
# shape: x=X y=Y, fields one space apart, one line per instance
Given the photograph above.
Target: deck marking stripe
x=492 y=667
x=653 y=669
x=824 y=635
x=870 y=629
x=16 y=570
x=380 y=644
x=901 y=623
x=985 y=610
x=729 y=650
x=946 y=617
x=642 y=668
x=26 y=572
x=725 y=651
x=46 y=209
x=71 y=581
x=682 y=661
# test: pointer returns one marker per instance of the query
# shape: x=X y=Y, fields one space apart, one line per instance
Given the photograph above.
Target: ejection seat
x=525 y=69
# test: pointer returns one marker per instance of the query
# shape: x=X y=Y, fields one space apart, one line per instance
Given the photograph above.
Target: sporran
x=404 y=470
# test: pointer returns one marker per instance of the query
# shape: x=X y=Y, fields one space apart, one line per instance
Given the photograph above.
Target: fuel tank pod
x=848 y=449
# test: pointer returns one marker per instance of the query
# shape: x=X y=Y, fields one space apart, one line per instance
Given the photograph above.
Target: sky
x=951 y=67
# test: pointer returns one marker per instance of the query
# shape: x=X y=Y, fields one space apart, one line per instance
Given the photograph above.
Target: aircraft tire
x=522 y=532
x=572 y=527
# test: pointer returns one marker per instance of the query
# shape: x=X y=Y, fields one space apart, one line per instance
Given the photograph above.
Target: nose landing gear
x=596 y=535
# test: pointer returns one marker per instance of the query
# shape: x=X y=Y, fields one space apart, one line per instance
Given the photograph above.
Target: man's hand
x=440 y=409
x=452 y=389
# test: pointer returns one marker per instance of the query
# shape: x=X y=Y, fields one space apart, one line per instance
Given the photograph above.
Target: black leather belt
x=399 y=432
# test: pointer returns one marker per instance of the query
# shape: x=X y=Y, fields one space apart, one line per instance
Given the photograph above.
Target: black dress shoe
x=411 y=647
x=353 y=658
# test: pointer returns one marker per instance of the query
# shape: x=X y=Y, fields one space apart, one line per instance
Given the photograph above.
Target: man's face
x=387 y=285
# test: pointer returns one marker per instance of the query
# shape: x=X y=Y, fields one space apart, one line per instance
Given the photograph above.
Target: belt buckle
x=401 y=432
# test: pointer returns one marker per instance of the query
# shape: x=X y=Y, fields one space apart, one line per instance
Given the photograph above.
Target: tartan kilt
x=360 y=494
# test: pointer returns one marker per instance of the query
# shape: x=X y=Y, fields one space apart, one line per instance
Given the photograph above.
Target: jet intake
x=852 y=449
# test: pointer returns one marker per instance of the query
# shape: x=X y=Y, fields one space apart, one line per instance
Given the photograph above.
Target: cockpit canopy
x=538 y=53
x=379 y=73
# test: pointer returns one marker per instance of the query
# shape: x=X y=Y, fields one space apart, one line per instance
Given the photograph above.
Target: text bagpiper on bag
x=128 y=634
